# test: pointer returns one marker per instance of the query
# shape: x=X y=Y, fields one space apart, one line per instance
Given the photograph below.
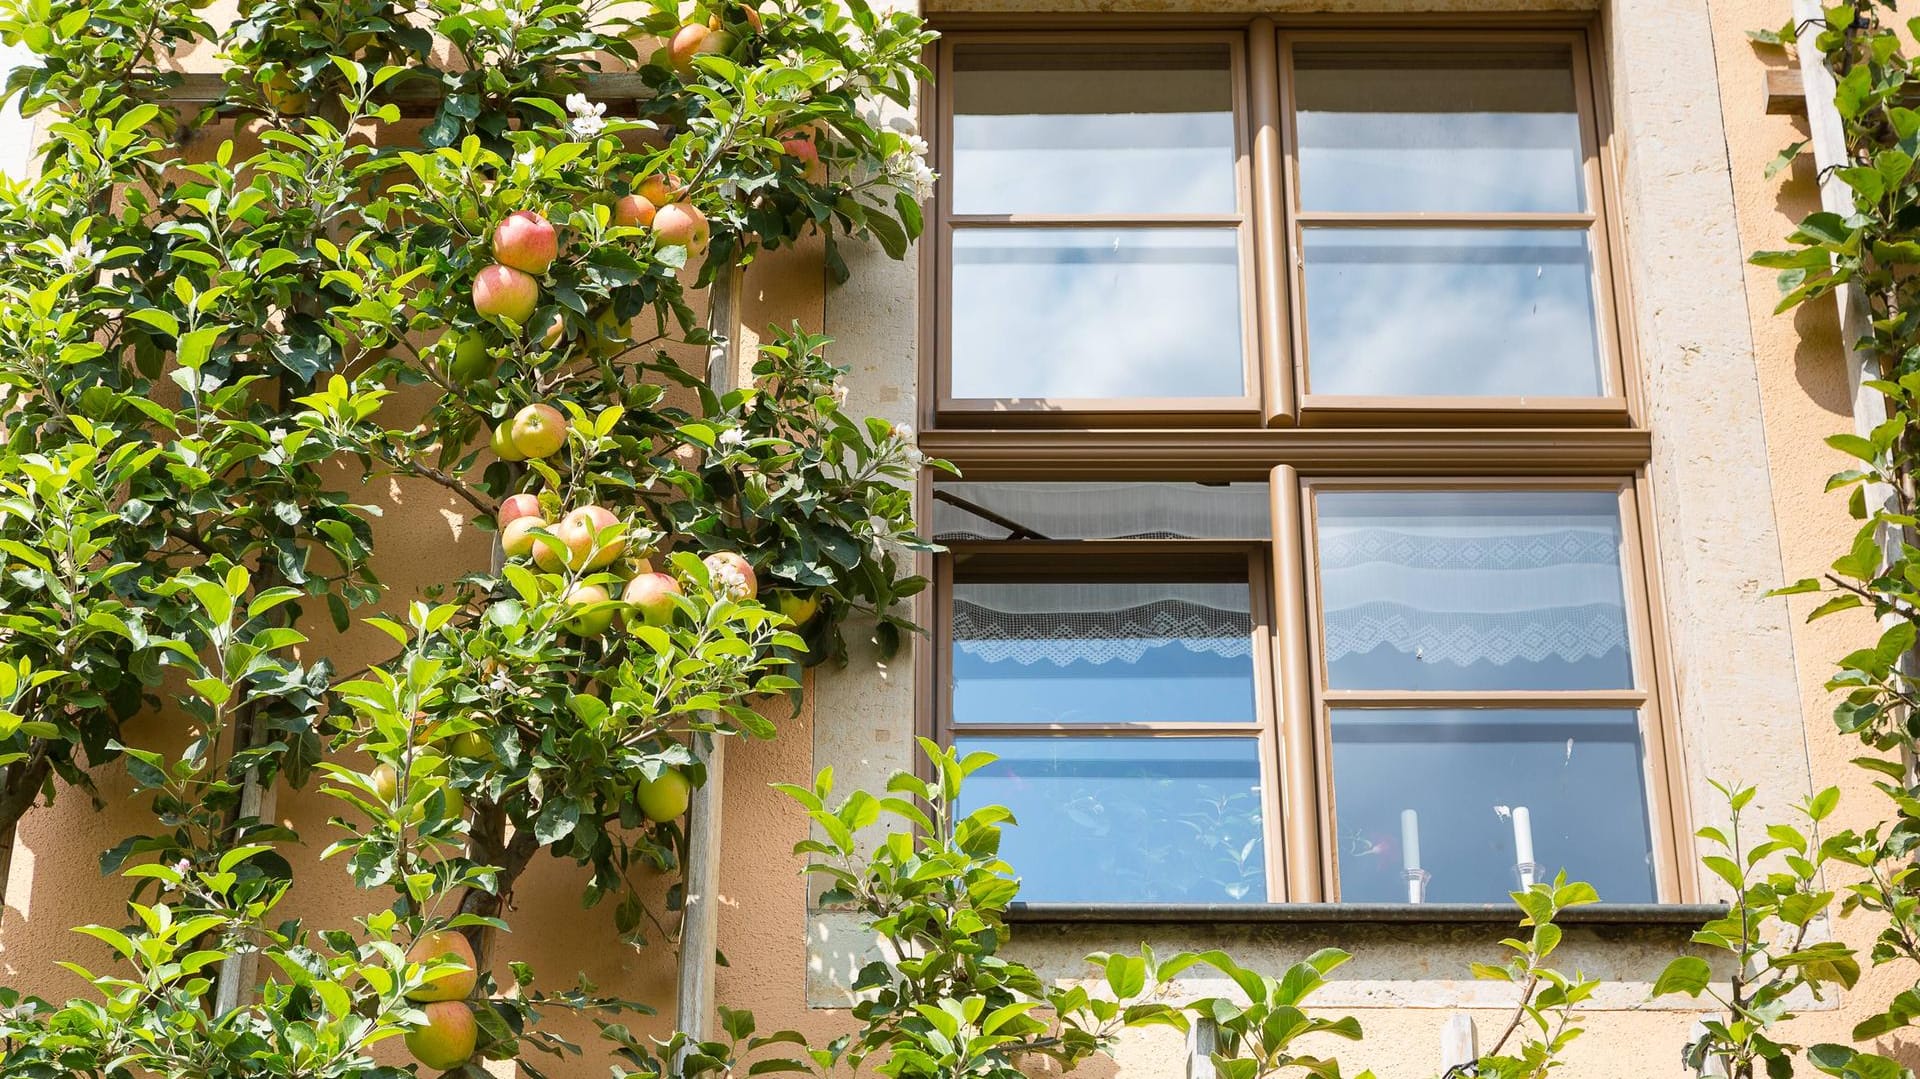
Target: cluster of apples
x=525 y=245
x=448 y=1037
x=659 y=203
x=715 y=36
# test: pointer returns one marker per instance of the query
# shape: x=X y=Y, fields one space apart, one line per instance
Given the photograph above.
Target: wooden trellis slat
x=417 y=97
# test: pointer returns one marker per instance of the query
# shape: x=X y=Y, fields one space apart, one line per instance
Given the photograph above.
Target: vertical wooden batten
x=700 y=923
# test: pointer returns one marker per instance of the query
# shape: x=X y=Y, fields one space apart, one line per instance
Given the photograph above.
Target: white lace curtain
x=1459 y=593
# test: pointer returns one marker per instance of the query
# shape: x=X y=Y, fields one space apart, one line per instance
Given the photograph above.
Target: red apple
x=526 y=241
x=586 y=622
x=801 y=148
x=448 y=1037
x=681 y=224
x=539 y=431
x=444 y=946
x=633 y=211
x=660 y=190
x=651 y=597
x=504 y=292
x=517 y=539
x=695 y=39
x=502 y=441
x=583 y=529
x=731 y=575
x=524 y=504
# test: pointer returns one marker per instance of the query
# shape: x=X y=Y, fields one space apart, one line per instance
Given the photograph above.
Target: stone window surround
x=1730 y=649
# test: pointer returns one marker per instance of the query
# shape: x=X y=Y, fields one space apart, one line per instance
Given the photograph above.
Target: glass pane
x=1102 y=652
x=1092 y=131
x=1466 y=777
x=1109 y=820
x=1451 y=312
x=1386 y=130
x=997 y=511
x=1473 y=590
x=1064 y=313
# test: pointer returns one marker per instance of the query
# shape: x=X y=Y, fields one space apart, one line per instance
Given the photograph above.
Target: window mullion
x=1269 y=226
x=1296 y=711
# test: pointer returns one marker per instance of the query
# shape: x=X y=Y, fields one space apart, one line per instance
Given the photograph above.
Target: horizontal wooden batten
x=417 y=96
x=1785 y=92
x=1251 y=454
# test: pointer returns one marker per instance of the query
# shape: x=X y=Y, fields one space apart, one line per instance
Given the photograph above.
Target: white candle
x=1410 y=838
x=1523 y=841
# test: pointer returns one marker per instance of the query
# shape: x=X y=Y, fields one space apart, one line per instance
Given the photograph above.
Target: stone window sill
x=1678 y=915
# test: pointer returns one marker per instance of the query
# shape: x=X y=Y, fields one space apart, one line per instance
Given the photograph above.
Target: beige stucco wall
x=1738 y=401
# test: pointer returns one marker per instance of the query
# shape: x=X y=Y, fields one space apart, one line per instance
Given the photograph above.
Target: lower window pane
x=1127 y=819
x=1096 y=313
x=1451 y=312
x=1455 y=781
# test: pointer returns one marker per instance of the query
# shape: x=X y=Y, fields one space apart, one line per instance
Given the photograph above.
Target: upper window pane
x=1076 y=511
x=1472 y=590
x=1451 y=312
x=1096 y=313
x=1062 y=130
x=1415 y=128
x=1102 y=652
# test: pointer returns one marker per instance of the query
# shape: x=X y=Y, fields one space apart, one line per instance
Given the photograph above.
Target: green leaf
x=1687 y=974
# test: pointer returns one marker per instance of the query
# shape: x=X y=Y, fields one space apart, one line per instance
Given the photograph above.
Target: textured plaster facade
x=1738 y=400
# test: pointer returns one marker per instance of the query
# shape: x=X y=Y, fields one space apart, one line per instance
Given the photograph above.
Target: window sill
x=1687 y=915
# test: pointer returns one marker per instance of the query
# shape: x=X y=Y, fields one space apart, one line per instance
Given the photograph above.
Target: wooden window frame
x=1144 y=411
x=1226 y=561
x=1611 y=406
x=1300 y=444
x=1270 y=224
x=1658 y=746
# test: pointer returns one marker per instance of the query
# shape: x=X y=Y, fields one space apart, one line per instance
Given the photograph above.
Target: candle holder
x=1528 y=872
x=1417 y=884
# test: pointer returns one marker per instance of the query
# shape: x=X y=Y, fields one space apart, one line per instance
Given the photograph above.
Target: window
x=1298 y=552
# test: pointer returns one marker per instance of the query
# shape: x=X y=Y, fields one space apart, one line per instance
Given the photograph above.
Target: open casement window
x=1299 y=552
x=1270 y=228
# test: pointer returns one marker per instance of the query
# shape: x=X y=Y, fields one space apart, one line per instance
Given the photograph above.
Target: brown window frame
x=1119 y=411
x=1270 y=223
x=1301 y=443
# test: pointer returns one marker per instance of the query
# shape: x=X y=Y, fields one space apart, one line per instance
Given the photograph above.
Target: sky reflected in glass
x=1473 y=590
x=1127 y=819
x=1092 y=131
x=1102 y=652
x=1451 y=312
x=1463 y=772
x=1399 y=131
x=1093 y=313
